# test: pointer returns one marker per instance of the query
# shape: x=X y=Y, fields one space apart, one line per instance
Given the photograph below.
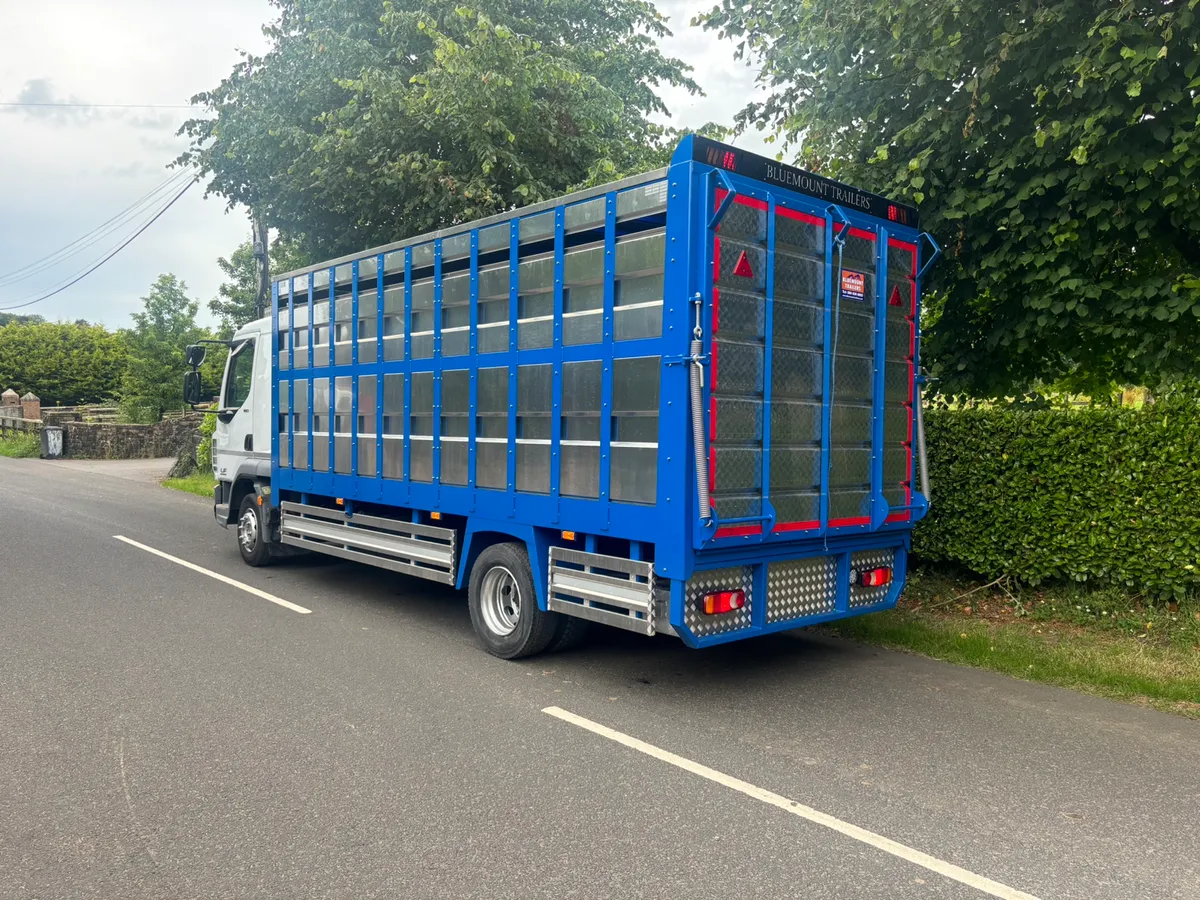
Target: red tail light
x=873 y=577
x=723 y=602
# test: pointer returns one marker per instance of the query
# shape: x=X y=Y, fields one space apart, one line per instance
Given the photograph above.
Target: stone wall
x=88 y=440
x=57 y=415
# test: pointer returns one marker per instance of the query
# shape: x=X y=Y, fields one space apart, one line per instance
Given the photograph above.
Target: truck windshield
x=238 y=376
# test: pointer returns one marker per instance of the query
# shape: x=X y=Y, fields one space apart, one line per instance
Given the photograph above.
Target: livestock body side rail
x=689 y=394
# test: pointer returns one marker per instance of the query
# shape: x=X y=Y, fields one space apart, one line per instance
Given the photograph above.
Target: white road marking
x=278 y=601
x=887 y=845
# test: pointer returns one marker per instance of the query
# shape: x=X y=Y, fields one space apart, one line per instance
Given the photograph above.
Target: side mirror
x=191 y=385
x=194 y=354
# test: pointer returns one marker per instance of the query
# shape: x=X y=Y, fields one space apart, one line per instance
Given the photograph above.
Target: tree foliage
x=165 y=326
x=372 y=120
x=14 y=318
x=62 y=363
x=1053 y=146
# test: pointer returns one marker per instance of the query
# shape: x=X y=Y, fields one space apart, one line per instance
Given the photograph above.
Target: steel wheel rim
x=248 y=530
x=500 y=601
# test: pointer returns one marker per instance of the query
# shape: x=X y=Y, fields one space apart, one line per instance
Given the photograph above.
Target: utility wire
x=97 y=265
x=82 y=243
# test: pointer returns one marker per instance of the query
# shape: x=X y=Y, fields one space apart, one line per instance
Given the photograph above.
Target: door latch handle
x=248 y=443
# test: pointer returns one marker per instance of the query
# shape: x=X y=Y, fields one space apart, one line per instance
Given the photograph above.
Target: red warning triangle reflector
x=895 y=299
x=742 y=269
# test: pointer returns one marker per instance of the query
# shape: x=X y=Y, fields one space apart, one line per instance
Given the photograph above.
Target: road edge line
x=878 y=841
x=225 y=579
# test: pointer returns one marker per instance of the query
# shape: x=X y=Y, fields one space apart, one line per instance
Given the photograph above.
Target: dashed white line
x=887 y=845
x=225 y=579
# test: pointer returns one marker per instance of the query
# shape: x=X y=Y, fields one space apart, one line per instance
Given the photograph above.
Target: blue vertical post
x=437 y=368
x=276 y=345
x=557 y=359
x=768 y=368
x=473 y=348
x=606 y=355
x=311 y=373
x=879 y=506
x=291 y=372
x=354 y=375
x=407 y=373
x=514 y=288
x=379 y=289
x=827 y=372
x=329 y=365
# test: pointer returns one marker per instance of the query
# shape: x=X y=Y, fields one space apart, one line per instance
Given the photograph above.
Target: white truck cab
x=241 y=453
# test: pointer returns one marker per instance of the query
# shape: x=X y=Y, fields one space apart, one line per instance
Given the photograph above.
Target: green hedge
x=1107 y=496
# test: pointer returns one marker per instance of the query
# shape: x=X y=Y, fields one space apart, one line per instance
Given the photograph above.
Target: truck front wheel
x=252 y=534
x=503 y=604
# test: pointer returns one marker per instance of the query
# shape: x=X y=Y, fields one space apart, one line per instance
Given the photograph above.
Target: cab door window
x=240 y=376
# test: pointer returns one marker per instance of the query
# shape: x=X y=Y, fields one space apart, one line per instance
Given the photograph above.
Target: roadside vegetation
x=1105 y=642
x=200 y=484
x=26 y=446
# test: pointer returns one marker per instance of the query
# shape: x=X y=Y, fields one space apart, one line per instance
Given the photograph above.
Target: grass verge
x=200 y=484
x=23 y=446
x=1100 y=642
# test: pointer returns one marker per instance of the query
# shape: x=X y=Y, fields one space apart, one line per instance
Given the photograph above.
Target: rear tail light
x=723 y=602
x=872 y=577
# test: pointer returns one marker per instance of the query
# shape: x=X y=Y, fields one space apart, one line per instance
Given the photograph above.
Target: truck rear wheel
x=503 y=603
x=252 y=536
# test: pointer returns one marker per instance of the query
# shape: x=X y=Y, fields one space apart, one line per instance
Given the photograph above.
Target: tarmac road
x=164 y=734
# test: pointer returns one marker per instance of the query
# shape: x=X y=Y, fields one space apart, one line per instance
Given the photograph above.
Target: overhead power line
x=82 y=275
x=80 y=244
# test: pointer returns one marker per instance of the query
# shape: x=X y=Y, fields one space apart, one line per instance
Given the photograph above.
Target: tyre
x=572 y=632
x=503 y=604
x=252 y=533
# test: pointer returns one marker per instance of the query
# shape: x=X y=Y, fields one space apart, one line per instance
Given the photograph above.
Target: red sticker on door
x=854 y=285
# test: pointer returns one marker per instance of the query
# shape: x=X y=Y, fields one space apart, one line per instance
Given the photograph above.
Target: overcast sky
x=68 y=170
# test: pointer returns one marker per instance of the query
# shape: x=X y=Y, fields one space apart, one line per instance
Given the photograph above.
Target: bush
x=1100 y=495
x=133 y=412
x=27 y=445
x=204 y=449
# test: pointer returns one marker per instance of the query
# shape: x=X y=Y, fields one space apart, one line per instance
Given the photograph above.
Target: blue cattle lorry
x=686 y=402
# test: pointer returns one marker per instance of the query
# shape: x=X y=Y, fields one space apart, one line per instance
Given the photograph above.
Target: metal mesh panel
x=455 y=425
x=421 y=341
x=491 y=428
x=393 y=425
x=368 y=405
x=702 y=583
x=580 y=451
x=321 y=425
x=798 y=277
x=421 y=427
x=534 y=389
x=870 y=559
x=633 y=453
x=285 y=451
x=801 y=587
x=300 y=424
x=342 y=409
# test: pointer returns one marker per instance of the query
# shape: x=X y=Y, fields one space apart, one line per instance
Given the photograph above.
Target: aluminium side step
x=425 y=551
x=607 y=589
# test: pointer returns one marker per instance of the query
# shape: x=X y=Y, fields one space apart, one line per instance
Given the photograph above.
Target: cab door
x=234 y=439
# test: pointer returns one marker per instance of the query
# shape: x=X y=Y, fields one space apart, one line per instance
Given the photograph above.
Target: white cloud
x=68 y=169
